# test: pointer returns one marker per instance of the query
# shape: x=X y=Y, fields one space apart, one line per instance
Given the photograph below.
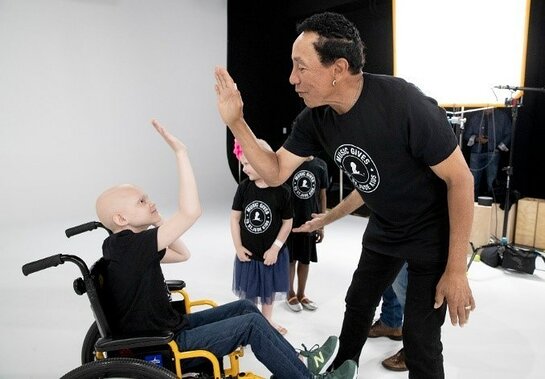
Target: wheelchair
x=141 y=356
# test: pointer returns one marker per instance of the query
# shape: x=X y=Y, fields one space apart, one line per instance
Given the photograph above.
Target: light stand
x=515 y=104
x=458 y=124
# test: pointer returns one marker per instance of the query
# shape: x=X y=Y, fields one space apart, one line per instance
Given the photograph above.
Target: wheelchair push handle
x=42 y=264
x=53 y=261
x=88 y=226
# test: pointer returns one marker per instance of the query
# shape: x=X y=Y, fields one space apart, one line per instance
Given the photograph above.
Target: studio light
x=458 y=51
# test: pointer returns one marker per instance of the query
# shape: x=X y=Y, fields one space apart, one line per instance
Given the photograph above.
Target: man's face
x=312 y=80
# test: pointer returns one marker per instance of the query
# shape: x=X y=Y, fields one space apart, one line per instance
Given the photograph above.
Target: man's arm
x=189 y=207
x=453 y=285
x=323 y=208
x=274 y=168
x=349 y=204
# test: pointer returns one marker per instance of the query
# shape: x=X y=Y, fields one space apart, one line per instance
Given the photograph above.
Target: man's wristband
x=278 y=243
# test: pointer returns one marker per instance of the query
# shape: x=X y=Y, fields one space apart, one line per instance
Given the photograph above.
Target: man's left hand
x=455 y=290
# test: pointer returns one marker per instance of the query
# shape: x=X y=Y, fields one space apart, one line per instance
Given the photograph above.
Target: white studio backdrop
x=80 y=81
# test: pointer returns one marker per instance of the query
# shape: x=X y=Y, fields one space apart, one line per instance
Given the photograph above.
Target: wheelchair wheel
x=119 y=368
x=88 y=348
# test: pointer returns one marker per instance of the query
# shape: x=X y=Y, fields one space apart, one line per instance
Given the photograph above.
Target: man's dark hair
x=338 y=38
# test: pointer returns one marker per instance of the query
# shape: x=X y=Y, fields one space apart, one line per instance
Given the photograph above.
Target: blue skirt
x=262 y=284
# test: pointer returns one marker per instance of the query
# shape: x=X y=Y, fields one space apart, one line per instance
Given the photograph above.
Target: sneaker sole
x=395 y=338
x=355 y=374
x=390 y=368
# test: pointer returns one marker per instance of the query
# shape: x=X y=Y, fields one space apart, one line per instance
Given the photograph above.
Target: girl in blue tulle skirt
x=261 y=220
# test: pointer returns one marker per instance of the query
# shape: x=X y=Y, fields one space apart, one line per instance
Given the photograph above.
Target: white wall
x=79 y=82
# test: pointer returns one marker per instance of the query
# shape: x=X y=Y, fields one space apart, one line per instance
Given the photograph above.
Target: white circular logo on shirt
x=304 y=184
x=257 y=217
x=359 y=167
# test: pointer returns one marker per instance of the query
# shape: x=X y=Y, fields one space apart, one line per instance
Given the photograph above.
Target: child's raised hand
x=173 y=142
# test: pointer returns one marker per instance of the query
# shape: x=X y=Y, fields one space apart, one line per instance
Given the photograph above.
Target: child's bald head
x=112 y=204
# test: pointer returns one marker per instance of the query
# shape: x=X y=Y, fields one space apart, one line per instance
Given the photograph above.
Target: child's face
x=248 y=169
x=139 y=210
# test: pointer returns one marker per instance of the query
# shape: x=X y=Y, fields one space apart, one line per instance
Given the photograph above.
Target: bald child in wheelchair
x=136 y=298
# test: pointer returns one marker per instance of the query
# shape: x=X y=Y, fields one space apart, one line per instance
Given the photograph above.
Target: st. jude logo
x=304 y=184
x=257 y=217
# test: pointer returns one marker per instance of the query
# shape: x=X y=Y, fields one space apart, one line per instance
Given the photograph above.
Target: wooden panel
x=480 y=230
x=526 y=222
x=540 y=226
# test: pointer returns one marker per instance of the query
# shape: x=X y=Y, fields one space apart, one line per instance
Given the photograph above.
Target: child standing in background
x=308 y=184
x=261 y=220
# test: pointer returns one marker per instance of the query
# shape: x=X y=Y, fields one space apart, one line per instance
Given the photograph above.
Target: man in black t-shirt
x=400 y=153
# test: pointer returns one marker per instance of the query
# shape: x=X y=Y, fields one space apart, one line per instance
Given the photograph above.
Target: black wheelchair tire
x=119 y=368
x=88 y=347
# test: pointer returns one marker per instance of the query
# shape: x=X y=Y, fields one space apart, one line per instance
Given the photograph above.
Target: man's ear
x=341 y=67
x=119 y=219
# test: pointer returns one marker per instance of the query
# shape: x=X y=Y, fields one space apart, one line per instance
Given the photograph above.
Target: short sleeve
x=303 y=140
x=431 y=138
x=287 y=209
x=239 y=196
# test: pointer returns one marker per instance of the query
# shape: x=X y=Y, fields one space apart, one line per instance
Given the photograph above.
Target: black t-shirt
x=306 y=183
x=263 y=210
x=385 y=144
x=137 y=299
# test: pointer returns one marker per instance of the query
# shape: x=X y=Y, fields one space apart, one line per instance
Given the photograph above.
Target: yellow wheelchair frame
x=90 y=283
x=233 y=371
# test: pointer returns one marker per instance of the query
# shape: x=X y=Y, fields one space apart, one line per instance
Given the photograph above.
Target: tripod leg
x=473 y=255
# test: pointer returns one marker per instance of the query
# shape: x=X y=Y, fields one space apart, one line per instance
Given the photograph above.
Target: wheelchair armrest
x=108 y=344
x=175 y=285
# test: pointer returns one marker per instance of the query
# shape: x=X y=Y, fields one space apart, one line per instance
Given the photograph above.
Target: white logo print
x=304 y=184
x=359 y=167
x=257 y=217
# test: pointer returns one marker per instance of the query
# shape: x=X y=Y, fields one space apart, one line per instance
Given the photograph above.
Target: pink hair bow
x=237 y=150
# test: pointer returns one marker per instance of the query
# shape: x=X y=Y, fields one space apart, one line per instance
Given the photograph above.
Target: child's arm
x=242 y=253
x=189 y=207
x=176 y=252
x=272 y=254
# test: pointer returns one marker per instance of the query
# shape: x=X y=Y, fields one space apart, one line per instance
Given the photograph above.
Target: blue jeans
x=422 y=324
x=393 y=300
x=484 y=163
x=222 y=329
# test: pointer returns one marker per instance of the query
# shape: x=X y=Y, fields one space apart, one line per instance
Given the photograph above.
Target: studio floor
x=43 y=322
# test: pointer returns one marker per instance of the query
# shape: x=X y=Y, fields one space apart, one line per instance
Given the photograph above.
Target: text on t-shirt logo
x=359 y=167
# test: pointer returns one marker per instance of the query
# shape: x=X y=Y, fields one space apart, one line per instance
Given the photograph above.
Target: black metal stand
x=515 y=104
